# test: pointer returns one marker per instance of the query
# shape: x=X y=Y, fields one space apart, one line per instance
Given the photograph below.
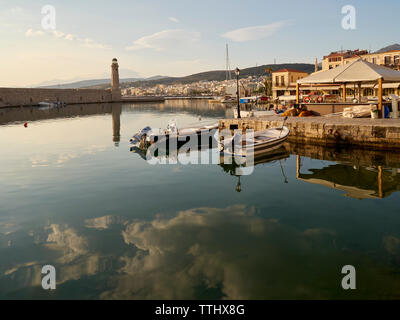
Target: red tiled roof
x=335 y=54
x=289 y=70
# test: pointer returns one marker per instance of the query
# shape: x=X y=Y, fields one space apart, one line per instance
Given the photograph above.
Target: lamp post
x=237 y=72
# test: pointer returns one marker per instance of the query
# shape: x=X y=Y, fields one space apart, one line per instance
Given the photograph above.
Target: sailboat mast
x=228 y=65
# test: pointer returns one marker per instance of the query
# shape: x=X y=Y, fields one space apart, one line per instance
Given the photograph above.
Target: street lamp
x=238 y=186
x=237 y=72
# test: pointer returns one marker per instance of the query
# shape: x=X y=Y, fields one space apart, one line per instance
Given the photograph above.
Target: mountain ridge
x=94 y=82
x=391 y=47
x=214 y=75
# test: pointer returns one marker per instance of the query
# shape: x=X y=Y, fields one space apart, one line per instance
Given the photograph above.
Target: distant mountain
x=96 y=83
x=88 y=83
x=217 y=75
x=395 y=46
x=156 y=78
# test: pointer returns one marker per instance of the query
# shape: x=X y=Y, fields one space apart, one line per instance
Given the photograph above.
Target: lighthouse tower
x=115 y=89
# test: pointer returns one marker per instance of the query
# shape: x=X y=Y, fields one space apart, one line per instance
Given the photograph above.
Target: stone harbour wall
x=329 y=131
x=11 y=97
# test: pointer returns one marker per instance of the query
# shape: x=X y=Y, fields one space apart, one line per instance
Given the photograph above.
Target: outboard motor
x=138 y=137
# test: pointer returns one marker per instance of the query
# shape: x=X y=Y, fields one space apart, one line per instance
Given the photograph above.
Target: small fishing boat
x=49 y=104
x=257 y=143
x=147 y=136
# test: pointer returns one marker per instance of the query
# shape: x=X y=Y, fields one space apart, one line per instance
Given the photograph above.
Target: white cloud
x=58 y=34
x=34 y=33
x=161 y=40
x=85 y=42
x=69 y=37
x=255 y=33
x=173 y=19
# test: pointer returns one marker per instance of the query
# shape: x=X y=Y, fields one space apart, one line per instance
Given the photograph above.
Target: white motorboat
x=256 y=143
x=148 y=136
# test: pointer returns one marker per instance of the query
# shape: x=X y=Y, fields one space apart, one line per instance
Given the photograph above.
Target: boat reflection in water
x=229 y=163
x=238 y=170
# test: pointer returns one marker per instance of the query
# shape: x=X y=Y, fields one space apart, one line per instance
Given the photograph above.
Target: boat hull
x=258 y=148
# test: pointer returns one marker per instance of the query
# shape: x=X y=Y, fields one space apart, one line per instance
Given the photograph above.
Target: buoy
x=26 y=125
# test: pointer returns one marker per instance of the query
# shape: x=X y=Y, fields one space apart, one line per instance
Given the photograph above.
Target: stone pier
x=18 y=97
x=383 y=134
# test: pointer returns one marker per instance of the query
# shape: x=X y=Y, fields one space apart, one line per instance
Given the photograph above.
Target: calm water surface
x=72 y=195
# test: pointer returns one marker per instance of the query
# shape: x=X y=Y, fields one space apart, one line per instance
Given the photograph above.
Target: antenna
x=228 y=65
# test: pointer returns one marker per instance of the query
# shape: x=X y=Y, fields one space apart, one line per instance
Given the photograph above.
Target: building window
x=388 y=91
x=277 y=80
x=368 y=92
x=282 y=80
x=388 y=60
x=374 y=60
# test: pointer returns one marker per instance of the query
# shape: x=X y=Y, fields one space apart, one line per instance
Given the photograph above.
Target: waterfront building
x=390 y=59
x=284 y=82
x=336 y=59
x=357 y=75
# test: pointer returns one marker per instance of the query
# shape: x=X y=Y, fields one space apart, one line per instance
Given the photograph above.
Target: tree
x=268 y=82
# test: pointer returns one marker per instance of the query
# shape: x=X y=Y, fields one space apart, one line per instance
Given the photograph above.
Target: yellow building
x=389 y=59
x=336 y=59
x=284 y=82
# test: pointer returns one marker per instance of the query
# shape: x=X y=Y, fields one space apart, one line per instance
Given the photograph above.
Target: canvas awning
x=357 y=71
x=393 y=85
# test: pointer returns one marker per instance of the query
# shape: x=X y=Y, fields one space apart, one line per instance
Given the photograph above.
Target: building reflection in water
x=116 y=123
x=359 y=182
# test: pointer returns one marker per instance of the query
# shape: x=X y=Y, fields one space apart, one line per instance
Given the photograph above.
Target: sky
x=179 y=37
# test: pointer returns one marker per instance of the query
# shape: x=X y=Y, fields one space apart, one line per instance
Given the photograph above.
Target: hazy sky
x=179 y=37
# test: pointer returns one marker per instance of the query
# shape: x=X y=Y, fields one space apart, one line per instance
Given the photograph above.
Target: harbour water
x=72 y=195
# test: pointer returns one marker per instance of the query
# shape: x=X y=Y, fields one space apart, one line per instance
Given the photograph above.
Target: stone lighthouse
x=115 y=89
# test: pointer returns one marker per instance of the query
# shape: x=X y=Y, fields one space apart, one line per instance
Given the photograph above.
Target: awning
x=394 y=85
x=357 y=71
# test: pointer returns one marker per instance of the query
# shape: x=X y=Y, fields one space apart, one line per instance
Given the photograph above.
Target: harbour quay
x=365 y=133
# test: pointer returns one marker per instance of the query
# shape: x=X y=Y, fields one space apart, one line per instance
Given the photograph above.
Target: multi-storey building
x=284 y=82
x=336 y=59
x=389 y=59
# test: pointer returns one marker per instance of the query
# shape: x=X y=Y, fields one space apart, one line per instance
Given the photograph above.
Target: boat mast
x=228 y=65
